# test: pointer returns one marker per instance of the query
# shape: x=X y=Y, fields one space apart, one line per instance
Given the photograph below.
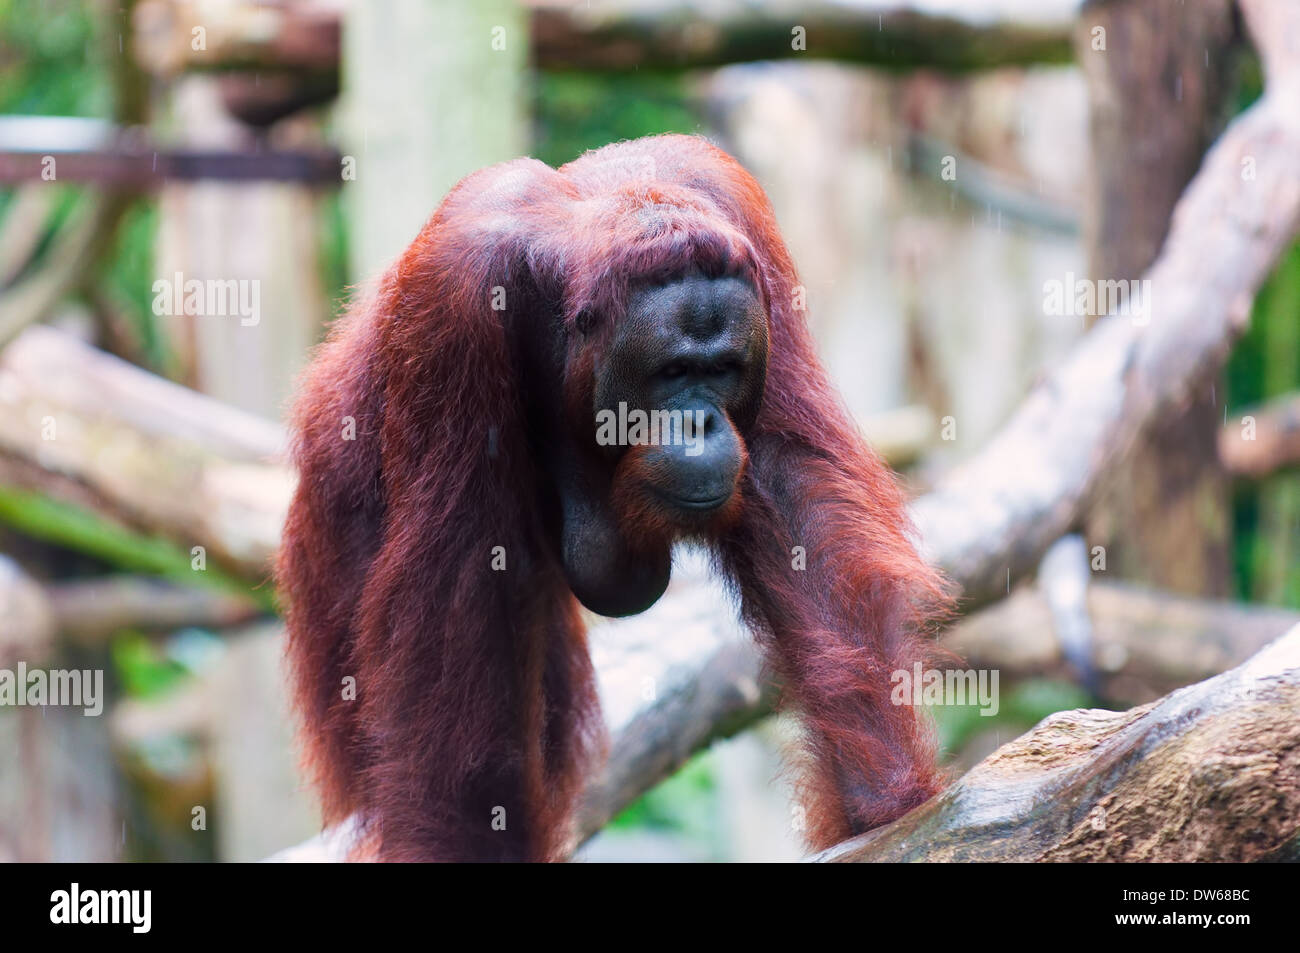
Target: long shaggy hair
x=474 y=718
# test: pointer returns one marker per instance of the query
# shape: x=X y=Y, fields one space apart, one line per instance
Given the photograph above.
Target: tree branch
x=1208 y=773
x=1145 y=643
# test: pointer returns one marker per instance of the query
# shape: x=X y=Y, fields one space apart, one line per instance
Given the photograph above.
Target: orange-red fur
x=474 y=689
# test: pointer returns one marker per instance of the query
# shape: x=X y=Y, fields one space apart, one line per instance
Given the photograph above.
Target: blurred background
x=933 y=166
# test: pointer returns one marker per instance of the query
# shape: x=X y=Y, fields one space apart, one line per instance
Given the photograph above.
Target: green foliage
x=45 y=48
x=1266 y=513
x=1021 y=708
x=1263 y=365
x=580 y=111
x=82 y=530
x=126 y=272
x=147 y=668
x=55 y=60
x=1248 y=84
x=63 y=207
x=334 y=253
x=144 y=671
x=685 y=803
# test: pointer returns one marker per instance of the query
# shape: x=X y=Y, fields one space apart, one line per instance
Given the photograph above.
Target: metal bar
x=149 y=169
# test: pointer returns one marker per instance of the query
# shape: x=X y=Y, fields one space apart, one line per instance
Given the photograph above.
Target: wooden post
x=250 y=236
x=432 y=91
x=1156 y=75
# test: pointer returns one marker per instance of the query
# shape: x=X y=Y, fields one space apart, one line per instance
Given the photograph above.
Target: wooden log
x=1262 y=440
x=636 y=34
x=1145 y=643
x=292 y=36
x=896 y=36
x=164 y=459
x=1208 y=773
x=86 y=612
